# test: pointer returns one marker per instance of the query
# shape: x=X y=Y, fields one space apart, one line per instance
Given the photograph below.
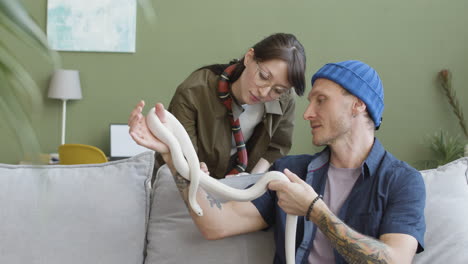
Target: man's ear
x=249 y=56
x=359 y=106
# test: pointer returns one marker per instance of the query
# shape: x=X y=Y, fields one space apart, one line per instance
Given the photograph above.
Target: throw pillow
x=94 y=213
x=446 y=213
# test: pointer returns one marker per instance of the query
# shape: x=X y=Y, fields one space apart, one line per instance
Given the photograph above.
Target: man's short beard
x=341 y=127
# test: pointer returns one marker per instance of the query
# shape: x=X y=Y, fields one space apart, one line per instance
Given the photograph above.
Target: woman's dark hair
x=280 y=46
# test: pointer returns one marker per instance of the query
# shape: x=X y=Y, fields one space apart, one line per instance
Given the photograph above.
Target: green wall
x=408 y=42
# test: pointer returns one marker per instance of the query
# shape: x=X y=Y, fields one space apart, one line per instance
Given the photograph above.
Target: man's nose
x=309 y=113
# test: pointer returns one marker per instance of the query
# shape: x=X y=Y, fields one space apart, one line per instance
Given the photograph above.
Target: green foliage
x=148 y=10
x=445 y=79
x=445 y=149
x=19 y=95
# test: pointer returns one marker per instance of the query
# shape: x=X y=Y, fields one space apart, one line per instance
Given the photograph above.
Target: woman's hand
x=204 y=168
x=140 y=132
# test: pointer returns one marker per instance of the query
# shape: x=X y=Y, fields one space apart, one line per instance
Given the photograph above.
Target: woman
x=239 y=116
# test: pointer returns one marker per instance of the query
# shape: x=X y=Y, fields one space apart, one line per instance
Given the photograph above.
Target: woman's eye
x=263 y=76
x=278 y=90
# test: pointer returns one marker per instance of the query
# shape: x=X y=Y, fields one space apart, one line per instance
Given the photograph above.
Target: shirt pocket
x=366 y=224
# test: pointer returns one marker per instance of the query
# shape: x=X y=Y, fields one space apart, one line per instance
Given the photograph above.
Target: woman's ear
x=249 y=56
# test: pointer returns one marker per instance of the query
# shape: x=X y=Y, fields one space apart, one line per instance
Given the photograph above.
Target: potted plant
x=447 y=148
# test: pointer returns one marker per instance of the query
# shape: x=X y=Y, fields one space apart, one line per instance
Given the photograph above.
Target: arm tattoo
x=183 y=185
x=213 y=201
x=353 y=246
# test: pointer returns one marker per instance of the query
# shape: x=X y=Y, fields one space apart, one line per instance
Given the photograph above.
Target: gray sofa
x=110 y=213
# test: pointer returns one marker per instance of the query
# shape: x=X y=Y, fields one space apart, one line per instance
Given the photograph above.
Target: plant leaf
x=18 y=120
x=148 y=11
x=20 y=97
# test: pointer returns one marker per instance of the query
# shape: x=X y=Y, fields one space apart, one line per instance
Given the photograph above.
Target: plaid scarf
x=226 y=98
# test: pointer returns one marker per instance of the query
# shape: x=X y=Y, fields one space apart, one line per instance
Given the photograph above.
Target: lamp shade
x=65 y=85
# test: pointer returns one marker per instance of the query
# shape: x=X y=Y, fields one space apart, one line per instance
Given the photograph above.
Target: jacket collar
x=272 y=107
x=369 y=166
x=374 y=158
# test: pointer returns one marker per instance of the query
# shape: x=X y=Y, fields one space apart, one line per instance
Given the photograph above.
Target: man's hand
x=293 y=197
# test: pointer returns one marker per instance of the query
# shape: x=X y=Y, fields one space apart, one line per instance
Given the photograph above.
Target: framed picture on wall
x=92 y=25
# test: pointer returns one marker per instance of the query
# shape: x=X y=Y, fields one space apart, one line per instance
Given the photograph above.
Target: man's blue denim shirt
x=388 y=197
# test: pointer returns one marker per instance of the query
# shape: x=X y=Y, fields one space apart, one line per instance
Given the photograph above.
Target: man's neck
x=351 y=152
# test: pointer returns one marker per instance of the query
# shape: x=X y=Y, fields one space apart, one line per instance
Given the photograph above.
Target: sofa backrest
x=95 y=213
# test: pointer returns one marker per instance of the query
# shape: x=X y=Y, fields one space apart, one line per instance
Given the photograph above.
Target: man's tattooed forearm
x=354 y=247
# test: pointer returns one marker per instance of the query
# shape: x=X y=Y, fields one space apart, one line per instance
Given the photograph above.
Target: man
x=372 y=210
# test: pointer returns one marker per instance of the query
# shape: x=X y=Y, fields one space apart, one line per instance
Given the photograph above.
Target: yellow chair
x=80 y=154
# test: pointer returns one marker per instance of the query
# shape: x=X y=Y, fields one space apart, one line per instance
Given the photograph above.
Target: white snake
x=176 y=138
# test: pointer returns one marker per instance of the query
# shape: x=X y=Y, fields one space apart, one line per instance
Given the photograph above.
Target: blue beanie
x=360 y=80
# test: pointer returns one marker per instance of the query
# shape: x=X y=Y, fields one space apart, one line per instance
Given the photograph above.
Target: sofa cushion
x=174 y=238
x=94 y=213
x=446 y=213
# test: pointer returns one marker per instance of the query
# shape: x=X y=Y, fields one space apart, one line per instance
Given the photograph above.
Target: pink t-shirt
x=339 y=183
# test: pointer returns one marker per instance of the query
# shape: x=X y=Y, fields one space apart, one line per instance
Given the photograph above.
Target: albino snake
x=176 y=138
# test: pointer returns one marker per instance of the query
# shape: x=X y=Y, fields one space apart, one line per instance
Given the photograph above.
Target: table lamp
x=65 y=85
